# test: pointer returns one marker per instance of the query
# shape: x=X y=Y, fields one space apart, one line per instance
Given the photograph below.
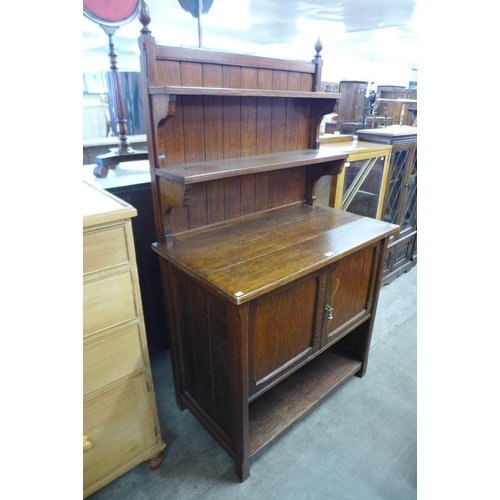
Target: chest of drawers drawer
x=117 y=424
x=105 y=248
x=108 y=302
x=123 y=347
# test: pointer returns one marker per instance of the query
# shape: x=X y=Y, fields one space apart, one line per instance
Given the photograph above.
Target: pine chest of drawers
x=120 y=420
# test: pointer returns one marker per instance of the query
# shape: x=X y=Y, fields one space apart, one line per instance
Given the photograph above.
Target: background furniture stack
x=401 y=196
x=395 y=105
x=120 y=419
x=379 y=180
x=270 y=298
x=392 y=100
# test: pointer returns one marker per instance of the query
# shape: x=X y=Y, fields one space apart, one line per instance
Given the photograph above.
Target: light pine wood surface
x=120 y=420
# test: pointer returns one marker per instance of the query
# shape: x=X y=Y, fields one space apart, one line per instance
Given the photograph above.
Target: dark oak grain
x=289 y=335
x=254 y=259
x=260 y=284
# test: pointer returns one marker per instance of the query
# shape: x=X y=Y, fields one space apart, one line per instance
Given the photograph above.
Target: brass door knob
x=329 y=310
x=87 y=445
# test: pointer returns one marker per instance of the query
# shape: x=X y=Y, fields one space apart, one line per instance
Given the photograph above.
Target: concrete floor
x=358 y=444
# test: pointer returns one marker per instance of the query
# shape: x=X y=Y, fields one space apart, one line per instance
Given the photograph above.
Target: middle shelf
x=202 y=171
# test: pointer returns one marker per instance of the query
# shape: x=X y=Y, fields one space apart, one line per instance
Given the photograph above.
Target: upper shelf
x=171 y=90
x=192 y=173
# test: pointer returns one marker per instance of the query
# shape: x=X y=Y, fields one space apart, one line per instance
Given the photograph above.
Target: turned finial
x=113 y=57
x=318 y=47
x=144 y=18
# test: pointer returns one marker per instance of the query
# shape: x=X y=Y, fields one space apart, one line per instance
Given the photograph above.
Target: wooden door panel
x=402 y=253
x=396 y=187
x=348 y=293
x=283 y=326
x=408 y=222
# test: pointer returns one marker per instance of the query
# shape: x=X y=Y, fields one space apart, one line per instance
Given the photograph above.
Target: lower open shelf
x=296 y=396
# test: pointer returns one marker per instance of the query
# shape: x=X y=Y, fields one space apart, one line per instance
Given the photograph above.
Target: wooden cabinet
x=269 y=316
x=120 y=421
x=271 y=298
x=361 y=186
x=350 y=109
x=401 y=196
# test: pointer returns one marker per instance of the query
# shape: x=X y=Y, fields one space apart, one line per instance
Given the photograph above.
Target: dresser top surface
x=100 y=207
x=245 y=260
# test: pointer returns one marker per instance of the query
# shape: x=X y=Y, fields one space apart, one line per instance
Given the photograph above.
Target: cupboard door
x=348 y=294
x=408 y=222
x=285 y=330
x=362 y=185
x=402 y=253
x=397 y=185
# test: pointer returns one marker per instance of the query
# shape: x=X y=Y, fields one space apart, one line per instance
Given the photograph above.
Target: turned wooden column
x=110 y=17
x=117 y=95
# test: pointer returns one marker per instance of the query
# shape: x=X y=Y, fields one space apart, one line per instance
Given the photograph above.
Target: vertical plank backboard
x=232 y=197
x=248 y=113
x=194 y=130
x=262 y=182
x=169 y=72
x=215 y=207
x=206 y=128
x=197 y=208
x=212 y=113
x=247 y=194
x=292 y=114
x=231 y=78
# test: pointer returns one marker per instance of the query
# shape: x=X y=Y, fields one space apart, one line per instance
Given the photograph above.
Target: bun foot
x=154 y=463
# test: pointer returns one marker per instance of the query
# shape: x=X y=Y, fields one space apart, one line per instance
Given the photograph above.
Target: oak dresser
x=271 y=299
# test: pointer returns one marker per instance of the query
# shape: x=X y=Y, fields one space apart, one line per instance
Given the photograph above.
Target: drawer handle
x=329 y=310
x=87 y=445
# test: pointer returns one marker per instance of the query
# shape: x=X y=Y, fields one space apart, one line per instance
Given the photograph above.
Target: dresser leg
x=238 y=324
x=243 y=469
x=154 y=463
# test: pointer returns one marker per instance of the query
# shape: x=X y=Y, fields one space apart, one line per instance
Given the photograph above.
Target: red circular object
x=111 y=12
